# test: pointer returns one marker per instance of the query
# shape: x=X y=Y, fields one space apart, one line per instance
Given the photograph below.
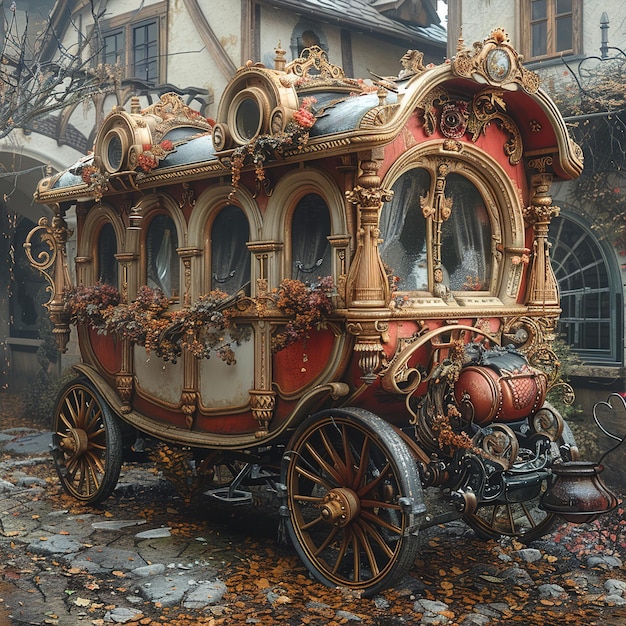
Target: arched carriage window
x=310 y=249
x=417 y=236
x=230 y=258
x=591 y=294
x=466 y=237
x=162 y=261
x=403 y=231
x=107 y=249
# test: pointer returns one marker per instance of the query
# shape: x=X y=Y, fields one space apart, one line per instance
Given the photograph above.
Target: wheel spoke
x=358 y=478
x=361 y=533
x=381 y=522
x=331 y=471
x=332 y=452
x=313 y=477
x=329 y=539
x=374 y=483
x=528 y=515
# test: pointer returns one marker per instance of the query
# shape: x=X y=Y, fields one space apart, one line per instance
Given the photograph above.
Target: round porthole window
x=113 y=151
x=248 y=115
x=248 y=119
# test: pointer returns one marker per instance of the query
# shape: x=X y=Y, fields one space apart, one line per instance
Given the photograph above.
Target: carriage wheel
x=86 y=443
x=353 y=496
x=525 y=521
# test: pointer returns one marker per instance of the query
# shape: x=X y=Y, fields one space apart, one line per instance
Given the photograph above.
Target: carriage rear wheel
x=86 y=443
x=353 y=495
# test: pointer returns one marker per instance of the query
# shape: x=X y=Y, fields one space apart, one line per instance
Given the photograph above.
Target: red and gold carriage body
x=366 y=265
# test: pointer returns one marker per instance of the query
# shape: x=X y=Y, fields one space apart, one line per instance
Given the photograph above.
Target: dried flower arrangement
x=153 y=154
x=309 y=305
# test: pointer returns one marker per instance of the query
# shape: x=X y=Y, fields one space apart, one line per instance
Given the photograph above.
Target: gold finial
x=280 y=60
x=460 y=45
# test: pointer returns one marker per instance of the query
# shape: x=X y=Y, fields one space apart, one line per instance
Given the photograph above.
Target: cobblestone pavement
x=146 y=557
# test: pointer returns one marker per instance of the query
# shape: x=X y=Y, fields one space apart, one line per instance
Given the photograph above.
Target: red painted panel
x=107 y=349
x=297 y=365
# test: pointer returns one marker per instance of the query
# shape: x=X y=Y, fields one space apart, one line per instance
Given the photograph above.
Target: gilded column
x=543 y=290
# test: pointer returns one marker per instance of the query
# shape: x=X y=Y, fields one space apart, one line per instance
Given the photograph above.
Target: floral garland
x=203 y=328
x=265 y=147
x=206 y=327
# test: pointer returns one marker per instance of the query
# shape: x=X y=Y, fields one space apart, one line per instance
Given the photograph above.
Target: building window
x=591 y=320
x=551 y=28
x=146 y=52
x=136 y=42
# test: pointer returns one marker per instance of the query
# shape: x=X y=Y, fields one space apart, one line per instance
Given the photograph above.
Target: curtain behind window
x=230 y=258
x=310 y=249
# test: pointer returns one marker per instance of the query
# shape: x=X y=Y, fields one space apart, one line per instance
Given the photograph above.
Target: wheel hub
x=340 y=506
x=76 y=442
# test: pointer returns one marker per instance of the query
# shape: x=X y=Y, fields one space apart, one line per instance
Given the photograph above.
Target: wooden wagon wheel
x=86 y=443
x=353 y=495
x=525 y=521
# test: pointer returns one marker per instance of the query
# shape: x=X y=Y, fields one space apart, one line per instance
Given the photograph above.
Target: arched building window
x=591 y=296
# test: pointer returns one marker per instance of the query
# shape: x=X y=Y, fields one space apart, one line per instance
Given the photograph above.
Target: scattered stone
x=488 y=610
x=475 y=619
x=5 y=486
x=205 y=594
x=155 y=533
x=548 y=591
x=528 y=555
x=55 y=544
x=166 y=590
x=614 y=600
x=518 y=576
x=121 y=615
x=381 y=602
x=29 y=444
x=604 y=562
x=431 y=611
x=117 y=524
x=146 y=571
x=615 y=587
x=31 y=481
x=111 y=558
x=351 y=617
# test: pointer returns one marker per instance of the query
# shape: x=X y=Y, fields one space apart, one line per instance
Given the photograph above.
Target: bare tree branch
x=34 y=83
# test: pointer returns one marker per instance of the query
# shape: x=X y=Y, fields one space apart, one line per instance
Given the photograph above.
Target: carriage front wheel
x=86 y=443
x=354 y=498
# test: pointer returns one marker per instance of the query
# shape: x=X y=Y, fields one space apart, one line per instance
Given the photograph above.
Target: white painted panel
x=223 y=385
x=158 y=378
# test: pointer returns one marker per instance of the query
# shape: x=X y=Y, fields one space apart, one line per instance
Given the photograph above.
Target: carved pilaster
x=367 y=284
x=543 y=290
x=125 y=260
x=186 y=255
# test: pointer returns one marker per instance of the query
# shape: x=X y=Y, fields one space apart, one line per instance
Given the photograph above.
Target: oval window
x=230 y=258
x=248 y=119
x=161 y=257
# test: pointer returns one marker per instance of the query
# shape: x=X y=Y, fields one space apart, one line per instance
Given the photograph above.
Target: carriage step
x=230 y=496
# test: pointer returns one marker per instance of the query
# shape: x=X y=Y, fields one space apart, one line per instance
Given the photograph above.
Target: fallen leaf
x=81 y=601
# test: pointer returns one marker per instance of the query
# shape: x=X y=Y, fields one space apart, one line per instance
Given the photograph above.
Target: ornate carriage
x=365 y=263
